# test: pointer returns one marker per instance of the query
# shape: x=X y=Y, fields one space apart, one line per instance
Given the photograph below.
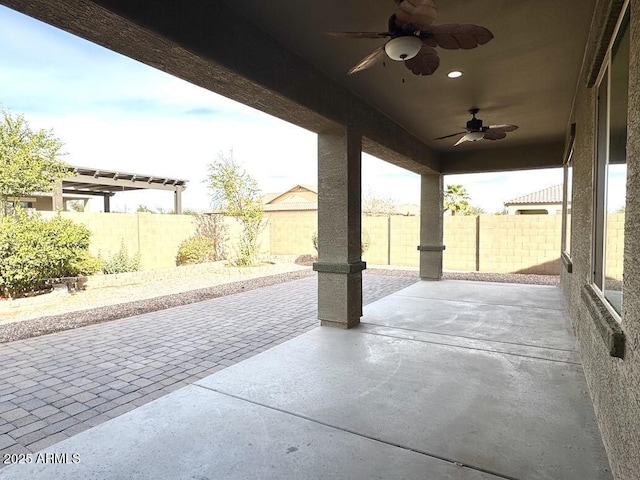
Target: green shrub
x=33 y=251
x=196 y=249
x=121 y=262
x=86 y=264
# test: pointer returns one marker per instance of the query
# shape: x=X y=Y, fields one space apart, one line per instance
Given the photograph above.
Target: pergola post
x=431 y=237
x=177 y=200
x=107 y=202
x=339 y=264
x=58 y=200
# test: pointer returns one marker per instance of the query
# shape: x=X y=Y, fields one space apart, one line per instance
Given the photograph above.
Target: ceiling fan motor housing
x=474 y=125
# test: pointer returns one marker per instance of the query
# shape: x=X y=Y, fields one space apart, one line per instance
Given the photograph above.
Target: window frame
x=567 y=203
x=602 y=144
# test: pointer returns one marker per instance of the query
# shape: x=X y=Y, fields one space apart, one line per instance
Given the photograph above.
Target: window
x=611 y=168
x=568 y=197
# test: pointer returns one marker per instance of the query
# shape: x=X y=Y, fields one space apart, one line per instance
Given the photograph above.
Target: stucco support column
x=431 y=237
x=339 y=264
x=177 y=200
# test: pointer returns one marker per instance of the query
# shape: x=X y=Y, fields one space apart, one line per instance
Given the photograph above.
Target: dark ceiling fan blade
x=415 y=14
x=359 y=34
x=502 y=128
x=494 y=135
x=425 y=62
x=454 y=36
x=369 y=61
x=449 y=136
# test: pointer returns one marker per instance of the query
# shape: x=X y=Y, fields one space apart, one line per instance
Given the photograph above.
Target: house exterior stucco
x=614 y=382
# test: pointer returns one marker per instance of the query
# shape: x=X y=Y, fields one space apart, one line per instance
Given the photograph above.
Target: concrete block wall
x=405 y=238
x=290 y=232
x=520 y=243
x=376 y=230
x=490 y=243
x=460 y=237
x=155 y=237
x=615 y=246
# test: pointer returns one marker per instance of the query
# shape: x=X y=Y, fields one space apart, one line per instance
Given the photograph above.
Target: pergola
x=106 y=183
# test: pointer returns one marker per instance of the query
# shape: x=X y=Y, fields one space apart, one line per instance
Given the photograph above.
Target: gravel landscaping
x=54 y=323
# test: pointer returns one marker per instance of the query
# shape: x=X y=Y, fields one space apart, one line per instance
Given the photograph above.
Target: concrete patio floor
x=443 y=380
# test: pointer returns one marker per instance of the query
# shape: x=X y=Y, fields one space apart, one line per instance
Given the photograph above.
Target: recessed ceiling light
x=454 y=74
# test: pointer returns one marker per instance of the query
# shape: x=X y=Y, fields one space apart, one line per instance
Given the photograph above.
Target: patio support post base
x=339 y=265
x=431 y=238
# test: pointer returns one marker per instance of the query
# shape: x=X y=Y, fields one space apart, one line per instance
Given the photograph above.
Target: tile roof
x=287 y=206
x=551 y=194
x=270 y=197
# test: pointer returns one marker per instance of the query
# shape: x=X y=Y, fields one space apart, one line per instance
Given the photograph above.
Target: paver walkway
x=55 y=386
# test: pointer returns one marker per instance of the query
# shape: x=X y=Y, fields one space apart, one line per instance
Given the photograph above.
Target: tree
x=28 y=160
x=472 y=210
x=234 y=192
x=144 y=209
x=375 y=205
x=76 y=205
x=456 y=198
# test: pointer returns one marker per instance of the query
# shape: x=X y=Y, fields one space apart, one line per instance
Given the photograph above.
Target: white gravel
x=105 y=304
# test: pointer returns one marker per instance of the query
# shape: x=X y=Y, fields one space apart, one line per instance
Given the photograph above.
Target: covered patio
x=468 y=380
x=442 y=380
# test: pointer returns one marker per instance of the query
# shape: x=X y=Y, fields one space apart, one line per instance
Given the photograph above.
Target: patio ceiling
x=275 y=56
x=526 y=76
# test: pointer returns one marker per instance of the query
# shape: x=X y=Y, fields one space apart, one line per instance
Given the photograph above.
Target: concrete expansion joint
x=344 y=268
x=466 y=347
x=359 y=434
x=431 y=248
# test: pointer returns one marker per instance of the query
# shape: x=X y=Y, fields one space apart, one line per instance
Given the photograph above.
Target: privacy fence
x=487 y=243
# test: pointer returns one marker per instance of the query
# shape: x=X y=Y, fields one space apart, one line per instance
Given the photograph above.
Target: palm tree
x=456 y=198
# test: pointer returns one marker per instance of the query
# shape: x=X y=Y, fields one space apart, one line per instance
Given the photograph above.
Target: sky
x=115 y=113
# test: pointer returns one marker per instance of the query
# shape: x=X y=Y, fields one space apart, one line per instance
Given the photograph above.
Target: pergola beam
x=120 y=182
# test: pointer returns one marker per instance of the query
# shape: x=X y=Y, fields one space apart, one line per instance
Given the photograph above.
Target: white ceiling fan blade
x=470 y=137
x=369 y=61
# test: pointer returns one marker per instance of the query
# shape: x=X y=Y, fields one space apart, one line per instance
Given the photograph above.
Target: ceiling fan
x=475 y=131
x=413 y=38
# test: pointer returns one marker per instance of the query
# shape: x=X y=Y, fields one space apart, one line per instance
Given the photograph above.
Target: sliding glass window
x=611 y=169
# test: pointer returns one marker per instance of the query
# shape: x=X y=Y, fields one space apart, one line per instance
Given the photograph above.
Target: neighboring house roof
x=291 y=206
x=292 y=199
x=268 y=197
x=311 y=188
x=550 y=195
x=272 y=197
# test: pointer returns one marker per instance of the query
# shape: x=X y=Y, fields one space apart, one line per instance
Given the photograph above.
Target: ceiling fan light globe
x=403 y=48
